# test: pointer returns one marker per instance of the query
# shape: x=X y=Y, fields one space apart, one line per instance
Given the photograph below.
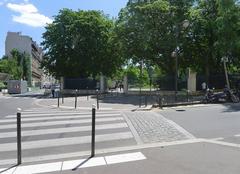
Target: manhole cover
x=180 y=110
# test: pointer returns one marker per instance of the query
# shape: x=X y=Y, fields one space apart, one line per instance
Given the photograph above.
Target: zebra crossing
x=52 y=134
x=2 y=97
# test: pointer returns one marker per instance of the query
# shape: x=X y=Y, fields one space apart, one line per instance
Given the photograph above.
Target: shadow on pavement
x=82 y=163
x=6 y=170
x=232 y=107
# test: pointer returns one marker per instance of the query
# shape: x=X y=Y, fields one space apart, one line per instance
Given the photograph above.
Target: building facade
x=25 y=44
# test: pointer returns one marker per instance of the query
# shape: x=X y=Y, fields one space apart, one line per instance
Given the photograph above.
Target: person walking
x=52 y=90
x=204 y=87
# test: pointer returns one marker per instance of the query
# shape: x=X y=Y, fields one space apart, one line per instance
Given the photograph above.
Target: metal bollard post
x=19 y=138
x=145 y=100
x=62 y=97
x=87 y=94
x=160 y=102
x=58 y=98
x=93 y=130
x=97 y=99
x=76 y=99
x=140 y=101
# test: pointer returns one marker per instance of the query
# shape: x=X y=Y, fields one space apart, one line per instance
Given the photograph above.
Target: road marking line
x=64 y=130
x=81 y=108
x=75 y=164
x=64 y=111
x=99 y=151
x=218 y=139
x=114 y=159
x=40 y=168
x=54 y=117
x=65 y=141
x=237 y=135
x=222 y=143
x=53 y=123
x=58 y=114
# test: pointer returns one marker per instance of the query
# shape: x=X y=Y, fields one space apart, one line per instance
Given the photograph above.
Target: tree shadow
x=232 y=107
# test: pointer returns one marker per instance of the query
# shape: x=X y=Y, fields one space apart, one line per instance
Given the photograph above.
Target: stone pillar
x=125 y=84
x=191 y=80
x=103 y=84
x=62 y=83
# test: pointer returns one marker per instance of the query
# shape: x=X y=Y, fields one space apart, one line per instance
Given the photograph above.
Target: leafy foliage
x=80 y=44
x=18 y=65
x=152 y=30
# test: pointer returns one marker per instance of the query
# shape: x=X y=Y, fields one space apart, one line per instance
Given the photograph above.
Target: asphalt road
x=210 y=121
x=9 y=105
x=213 y=149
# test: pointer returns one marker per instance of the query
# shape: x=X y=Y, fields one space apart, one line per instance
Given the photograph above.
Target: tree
x=147 y=30
x=80 y=44
x=10 y=66
x=17 y=65
x=213 y=33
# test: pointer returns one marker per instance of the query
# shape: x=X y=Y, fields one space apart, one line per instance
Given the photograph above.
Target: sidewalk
x=187 y=158
x=85 y=103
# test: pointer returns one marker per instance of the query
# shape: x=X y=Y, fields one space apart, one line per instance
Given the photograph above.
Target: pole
x=19 y=138
x=93 y=130
x=176 y=77
x=226 y=74
x=58 y=98
x=97 y=100
x=145 y=100
x=62 y=97
x=87 y=94
x=76 y=99
x=140 y=88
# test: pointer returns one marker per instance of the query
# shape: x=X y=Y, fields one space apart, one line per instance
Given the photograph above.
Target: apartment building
x=15 y=40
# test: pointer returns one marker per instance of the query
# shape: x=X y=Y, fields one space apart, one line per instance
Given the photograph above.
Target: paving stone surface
x=152 y=127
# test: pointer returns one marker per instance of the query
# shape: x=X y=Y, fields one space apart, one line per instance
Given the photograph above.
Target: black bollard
x=160 y=104
x=62 y=97
x=97 y=99
x=58 y=98
x=145 y=100
x=76 y=99
x=19 y=138
x=93 y=130
x=140 y=101
x=87 y=94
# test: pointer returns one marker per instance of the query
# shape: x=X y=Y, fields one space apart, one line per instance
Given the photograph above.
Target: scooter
x=226 y=96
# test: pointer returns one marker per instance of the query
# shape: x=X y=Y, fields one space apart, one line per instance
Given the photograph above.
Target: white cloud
x=29 y=15
x=1 y=3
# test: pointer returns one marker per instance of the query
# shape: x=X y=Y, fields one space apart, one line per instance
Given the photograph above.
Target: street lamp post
x=184 y=24
x=224 y=60
x=174 y=55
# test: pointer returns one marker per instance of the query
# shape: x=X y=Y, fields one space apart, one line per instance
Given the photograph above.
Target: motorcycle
x=226 y=96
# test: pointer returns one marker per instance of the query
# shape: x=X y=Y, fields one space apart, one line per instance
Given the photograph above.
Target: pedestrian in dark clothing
x=53 y=91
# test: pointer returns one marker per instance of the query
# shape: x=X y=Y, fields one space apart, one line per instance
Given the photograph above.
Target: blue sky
x=30 y=16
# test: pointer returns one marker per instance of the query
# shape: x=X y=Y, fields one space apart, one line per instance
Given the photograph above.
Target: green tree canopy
x=81 y=44
x=17 y=65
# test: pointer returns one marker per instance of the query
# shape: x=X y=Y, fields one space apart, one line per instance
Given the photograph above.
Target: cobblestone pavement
x=152 y=127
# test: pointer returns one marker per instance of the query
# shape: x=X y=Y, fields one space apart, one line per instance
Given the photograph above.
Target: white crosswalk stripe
x=63 y=130
x=45 y=130
x=56 y=116
x=53 y=123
